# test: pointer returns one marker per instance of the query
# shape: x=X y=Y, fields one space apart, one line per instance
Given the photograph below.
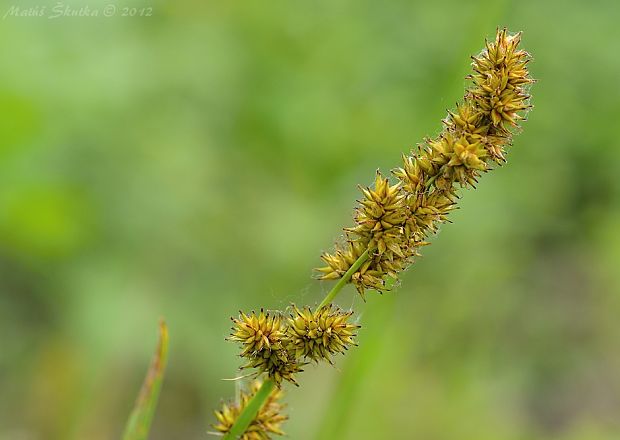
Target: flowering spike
x=394 y=221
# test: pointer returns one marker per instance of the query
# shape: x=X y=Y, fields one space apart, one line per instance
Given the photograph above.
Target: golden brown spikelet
x=340 y=261
x=380 y=217
x=278 y=365
x=257 y=332
x=265 y=345
x=267 y=422
x=320 y=334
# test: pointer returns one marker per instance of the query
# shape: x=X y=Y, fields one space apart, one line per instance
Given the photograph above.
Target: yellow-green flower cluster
x=393 y=220
x=278 y=346
x=321 y=334
x=268 y=421
x=265 y=345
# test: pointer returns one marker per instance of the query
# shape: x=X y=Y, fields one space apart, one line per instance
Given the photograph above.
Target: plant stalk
x=344 y=280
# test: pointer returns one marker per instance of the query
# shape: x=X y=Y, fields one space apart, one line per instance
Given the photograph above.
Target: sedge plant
x=393 y=220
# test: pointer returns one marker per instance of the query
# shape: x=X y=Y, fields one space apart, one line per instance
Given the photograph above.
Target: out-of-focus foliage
x=197 y=161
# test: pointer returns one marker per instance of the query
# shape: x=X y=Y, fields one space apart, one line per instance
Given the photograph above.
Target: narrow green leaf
x=139 y=422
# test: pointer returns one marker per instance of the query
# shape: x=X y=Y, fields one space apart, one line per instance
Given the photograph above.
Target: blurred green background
x=197 y=161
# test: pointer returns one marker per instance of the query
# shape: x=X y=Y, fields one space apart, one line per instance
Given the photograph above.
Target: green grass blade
x=139 y=422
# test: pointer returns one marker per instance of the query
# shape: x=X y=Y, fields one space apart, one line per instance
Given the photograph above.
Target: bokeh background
x=197 y=161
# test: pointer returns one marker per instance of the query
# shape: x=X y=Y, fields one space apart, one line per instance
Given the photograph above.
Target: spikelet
x=257 y=333
x=319 y=335
x=380 y=217
x=278 y=365
x=268 y=421
x=265 y=345
x=500 y=76
x=339 y=262
x=394 y=220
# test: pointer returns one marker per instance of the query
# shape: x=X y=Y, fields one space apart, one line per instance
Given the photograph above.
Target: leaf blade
x=141 y=417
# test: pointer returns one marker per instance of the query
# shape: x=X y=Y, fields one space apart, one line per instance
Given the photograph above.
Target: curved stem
x=345 y=279
x=250 y=411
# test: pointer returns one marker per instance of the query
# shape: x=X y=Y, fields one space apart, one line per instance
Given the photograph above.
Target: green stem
x=250 y=411
x=344 y=280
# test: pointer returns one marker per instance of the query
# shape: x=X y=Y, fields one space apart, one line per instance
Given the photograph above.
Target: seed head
x=380 y=217
x=264 y=344
x=268 y=421
x=319 y=335
x=340 y=261
x=394 y=220
x=257 y=333
x=500 y=74
x=279 y=365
